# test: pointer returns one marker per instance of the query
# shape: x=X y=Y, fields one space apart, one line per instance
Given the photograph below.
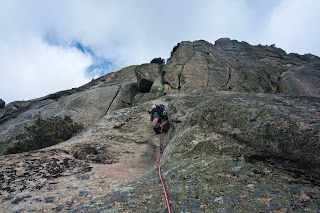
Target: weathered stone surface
x=300 y=81
x=2 y=112
x=85 y=104
x=230 y=151
x=194 y=74
x=147 y=74
x=16 y=116
x=84 y=107
x=124 y=75
x=230 y=147
x=238 y=66
x=213 y=183
x=157 y=85
x=180 y=55
x=279 y=127
x=2 y=103
x=106 y=155
x=14 y=108
x=125 y=97
x=144 y=97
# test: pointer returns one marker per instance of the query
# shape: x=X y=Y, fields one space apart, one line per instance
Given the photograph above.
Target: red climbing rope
x=161 y=178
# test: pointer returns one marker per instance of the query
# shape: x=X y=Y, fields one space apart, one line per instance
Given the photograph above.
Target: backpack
x=161 y=109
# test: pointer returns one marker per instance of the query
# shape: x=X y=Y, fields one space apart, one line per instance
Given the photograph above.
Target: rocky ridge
x=244 y=136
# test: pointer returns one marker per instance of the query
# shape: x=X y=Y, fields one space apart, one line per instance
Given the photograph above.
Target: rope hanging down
x=160 y=175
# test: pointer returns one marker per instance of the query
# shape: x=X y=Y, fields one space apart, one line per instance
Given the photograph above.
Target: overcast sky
x=49 y=46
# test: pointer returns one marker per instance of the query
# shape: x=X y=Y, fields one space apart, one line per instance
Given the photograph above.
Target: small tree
x=44 y=133
x=158 y=61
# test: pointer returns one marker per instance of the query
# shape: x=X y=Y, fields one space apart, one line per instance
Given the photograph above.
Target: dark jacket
x=161 y=110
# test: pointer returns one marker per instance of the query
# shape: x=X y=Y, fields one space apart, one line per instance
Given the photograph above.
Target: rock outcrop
x=244 y=137
x=229 y=65
x=85 y=105
x=149 y=77
x=2 y=103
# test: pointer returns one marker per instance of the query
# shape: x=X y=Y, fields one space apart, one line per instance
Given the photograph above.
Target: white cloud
x=129 y=32
x=294 y=26
x=34 y=69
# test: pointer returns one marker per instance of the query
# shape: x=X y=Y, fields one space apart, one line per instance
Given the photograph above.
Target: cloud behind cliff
x=293 y=26
x=35 y=69
x=70 y=42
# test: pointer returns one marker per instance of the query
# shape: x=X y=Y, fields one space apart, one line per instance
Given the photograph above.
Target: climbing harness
x=160 y=175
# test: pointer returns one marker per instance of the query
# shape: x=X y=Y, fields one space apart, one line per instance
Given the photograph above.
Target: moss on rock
x=205 y=183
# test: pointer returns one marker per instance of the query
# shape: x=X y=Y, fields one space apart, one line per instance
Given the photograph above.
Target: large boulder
x=149 y=76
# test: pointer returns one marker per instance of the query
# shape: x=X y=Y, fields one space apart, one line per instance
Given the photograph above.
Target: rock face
x=149 y=77
x=263 y=125
x=180 y=55
x=244 y=137
x=106 y=155
x=2 y=104
x=231 y=151
x=230 y=65
x=208 y=183
x=85 y=105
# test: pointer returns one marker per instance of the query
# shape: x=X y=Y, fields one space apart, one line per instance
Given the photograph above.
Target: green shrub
x=44 y=133
x=158 y=61
x=280 y=72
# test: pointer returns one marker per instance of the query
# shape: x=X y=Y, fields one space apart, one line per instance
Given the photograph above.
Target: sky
x=51 y=45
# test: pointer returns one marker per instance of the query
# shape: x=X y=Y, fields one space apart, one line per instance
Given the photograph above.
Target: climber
x=159 y=117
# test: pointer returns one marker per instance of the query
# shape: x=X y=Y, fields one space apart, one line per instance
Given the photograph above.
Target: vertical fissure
x=180 y=74
x=228 y=77
x=113 y=100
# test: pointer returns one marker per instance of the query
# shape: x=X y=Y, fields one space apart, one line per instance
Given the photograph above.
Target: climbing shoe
x=157 y=130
